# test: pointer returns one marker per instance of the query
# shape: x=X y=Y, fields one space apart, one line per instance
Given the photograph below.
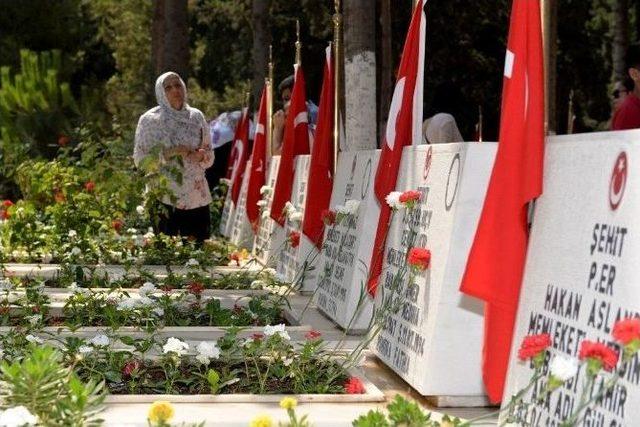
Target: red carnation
x=59 y=197
x=533 y=345
x=130 y=368
x=4 y=214
x=117 y=225
x=598 y=356
x=294 y=239
x=328 y=217
x=419 y=258
x=257 y=336
x=235 y=256
x=626 y=331
x=410 y=197
x=63 y=140
x=7 y=203
x=312 y=335
x=89 y=186
x=354 y=386
x=195 y=288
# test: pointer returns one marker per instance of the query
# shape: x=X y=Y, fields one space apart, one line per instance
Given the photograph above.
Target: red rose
x=419 y=258
x=130 y=368
x=89 y=186
x=312 y=335
x=533 y=345
x=117 y=225
x=601 y=354
x=195 y=288
x=410 y=197
x=354 y=386
x=63 y=140
x=626 y=331
x=7 y=203
x=328 y=217
x=294 y=239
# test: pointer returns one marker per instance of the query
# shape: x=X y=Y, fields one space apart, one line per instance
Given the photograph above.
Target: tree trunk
x=620 y=26
x=170 y=37
x=360 y=75
x=386 y=65
x=261 y=40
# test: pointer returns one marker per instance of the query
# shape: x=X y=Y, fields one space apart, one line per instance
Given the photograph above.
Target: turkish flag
x=233 y=156
x=321 y=166
x=403 y=128
x=497 y=257
x=241 y=149
x=296 y=142
x=257 y=177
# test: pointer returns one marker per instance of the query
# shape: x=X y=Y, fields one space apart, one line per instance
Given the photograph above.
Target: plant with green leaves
x=50 y=390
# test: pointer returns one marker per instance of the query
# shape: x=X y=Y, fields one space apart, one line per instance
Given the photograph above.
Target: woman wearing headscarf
x=179 y=135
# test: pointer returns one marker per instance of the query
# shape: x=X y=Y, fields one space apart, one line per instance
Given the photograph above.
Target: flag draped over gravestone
x=403 y=128
x=233 y=157
x=242 y=153
x=296 y=142
x=257 y=177
x=320 y=180
x=496 y=261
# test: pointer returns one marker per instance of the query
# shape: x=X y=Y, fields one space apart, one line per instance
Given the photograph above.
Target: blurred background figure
x=440 y=126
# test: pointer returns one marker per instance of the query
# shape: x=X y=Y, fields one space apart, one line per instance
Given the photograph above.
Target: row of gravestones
x=578 y=279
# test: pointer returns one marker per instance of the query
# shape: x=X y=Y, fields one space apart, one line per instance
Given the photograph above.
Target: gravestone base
x=459 y=401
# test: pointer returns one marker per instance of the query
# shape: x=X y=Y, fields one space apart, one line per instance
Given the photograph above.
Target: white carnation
x=276 y=330
x=84 y=349
x=266 y=214
x=393 y=200
x=17 y=416
x=207 y=350
x=295 y=216
x=158 y=311
x=147 y=288
x=34 y=339
x=288 y=207
x=261 y=203
x=75 y=251
x=563 y=368
x=265 y=189
x=127 y=304
x=72 y=233
x=99 y=341
x=174 y=345
x=140 y=209
x=192 y=263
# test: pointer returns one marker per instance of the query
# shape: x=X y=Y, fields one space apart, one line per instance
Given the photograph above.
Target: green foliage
x=50 y=390
x=403 y=413
x=36 y=107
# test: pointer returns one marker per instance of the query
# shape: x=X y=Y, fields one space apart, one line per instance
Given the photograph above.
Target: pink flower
x=130 y=368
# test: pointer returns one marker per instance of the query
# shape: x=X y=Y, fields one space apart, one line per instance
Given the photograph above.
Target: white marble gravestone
x=342 y=267
x=268 y=236
x=226 y=218
x=241 y=233
x=290 y=259
x=434 y=341
x=581 y=273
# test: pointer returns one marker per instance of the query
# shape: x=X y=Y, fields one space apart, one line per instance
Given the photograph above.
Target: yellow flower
x=262 y=420
x=288 y=403
x=160 y=411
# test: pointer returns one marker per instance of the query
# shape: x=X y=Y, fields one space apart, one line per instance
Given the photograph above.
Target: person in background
x=627 y=115
x=620 y=92
x=178 y=136
x=222 y=130
x=441 y=126
x=279 y=117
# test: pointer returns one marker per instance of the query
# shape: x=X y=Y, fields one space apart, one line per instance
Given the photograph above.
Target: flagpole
x=570 y=115
x=480 y=120
x=298 y=44
x=337 y=89
x=269 y=85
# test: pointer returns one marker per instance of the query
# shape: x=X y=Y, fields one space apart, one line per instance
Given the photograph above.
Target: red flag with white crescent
x=321 y=167
x=258 y=177
x=296 y=142
x=241 y=149
x=403 y=128
x=497 y=257
x=235 y=151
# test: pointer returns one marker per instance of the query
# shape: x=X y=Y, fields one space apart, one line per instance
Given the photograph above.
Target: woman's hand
x=179 y=150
